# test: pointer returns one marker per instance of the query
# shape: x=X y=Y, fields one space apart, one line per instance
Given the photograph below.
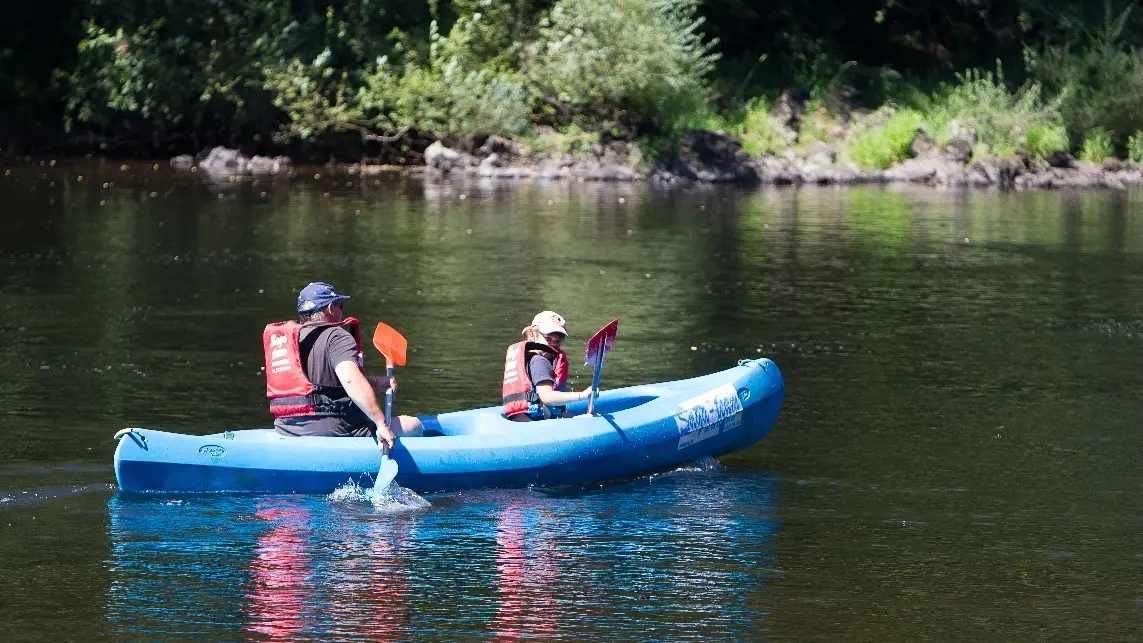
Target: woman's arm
x=551 y=397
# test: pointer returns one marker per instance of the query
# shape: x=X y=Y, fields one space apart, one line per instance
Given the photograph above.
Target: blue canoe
x=635 y=431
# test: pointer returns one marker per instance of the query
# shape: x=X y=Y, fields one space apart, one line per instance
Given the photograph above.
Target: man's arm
x=361 y=391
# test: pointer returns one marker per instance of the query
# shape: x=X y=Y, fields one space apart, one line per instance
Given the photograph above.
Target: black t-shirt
x=332 y=347
x=320 y=357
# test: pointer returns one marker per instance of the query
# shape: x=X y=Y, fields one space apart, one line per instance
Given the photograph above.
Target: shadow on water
x=685 y=556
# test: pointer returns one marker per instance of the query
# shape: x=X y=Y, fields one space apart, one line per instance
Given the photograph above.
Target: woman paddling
x=536 y=372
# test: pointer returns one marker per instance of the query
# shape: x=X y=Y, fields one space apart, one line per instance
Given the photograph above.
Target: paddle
x=598 y=346
x=392 y=345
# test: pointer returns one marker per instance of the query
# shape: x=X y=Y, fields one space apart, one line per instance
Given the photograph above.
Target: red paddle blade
x=601 y=342
x=391 y=344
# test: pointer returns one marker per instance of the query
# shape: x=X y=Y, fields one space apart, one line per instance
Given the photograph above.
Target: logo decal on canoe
x=212 y=451
x=708 y=415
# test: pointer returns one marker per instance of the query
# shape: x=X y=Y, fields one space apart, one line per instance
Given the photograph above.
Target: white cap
x=550 y=322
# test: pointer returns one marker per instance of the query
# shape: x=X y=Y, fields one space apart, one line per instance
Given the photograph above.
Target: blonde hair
x=533 y=334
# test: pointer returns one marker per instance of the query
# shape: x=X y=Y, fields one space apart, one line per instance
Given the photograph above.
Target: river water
x=956 y=459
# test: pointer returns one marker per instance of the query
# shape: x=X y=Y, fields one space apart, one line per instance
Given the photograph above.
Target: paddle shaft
x=389 y=398
x=597 y=369
x=388 y=469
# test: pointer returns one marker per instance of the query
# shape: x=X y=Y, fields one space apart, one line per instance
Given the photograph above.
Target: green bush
x=622 y=63
x=298 y=90
x=1099 y=80
x=454 y=93
x=1097 y=146
x=134 y=73
x=881 y=147
x=571 y=140
x=1042 y=140
x=487 y=34
x=1000 y=118
x=816 y=124
x=228 y=65
x=1004 y=149
x=483 y=102
x=759 y=132
x=979 y=151
x=937 y=123
x=1135 y=147
x=704 y=117
x=450 y=93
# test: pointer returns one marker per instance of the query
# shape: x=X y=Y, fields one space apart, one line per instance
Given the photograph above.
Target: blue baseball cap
x=317 y=295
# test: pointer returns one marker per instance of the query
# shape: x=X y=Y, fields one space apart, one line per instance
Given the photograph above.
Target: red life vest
x=290 y=392
x=517 y=389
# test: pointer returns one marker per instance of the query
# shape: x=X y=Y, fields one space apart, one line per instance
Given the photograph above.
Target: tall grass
x=881 y=147
x=1001 y=119
x=1135 y=147
x=761 y=133
x=1042 y=141
x=1097 y=146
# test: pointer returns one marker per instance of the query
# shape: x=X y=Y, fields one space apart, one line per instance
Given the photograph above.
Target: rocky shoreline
x=703 y=157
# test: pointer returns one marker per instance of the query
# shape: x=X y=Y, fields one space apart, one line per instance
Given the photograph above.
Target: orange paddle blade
x=391 y=344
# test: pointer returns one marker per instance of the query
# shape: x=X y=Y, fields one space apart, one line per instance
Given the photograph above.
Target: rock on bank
x=715 y=157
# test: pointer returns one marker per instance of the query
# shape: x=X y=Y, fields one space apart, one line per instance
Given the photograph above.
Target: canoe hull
x=637 y=430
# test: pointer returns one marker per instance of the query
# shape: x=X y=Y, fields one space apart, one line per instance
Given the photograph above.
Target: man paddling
x=313 y=374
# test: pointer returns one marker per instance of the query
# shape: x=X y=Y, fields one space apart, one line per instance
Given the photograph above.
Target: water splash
x=709 y=463
x=705 y=464
x=393 y=499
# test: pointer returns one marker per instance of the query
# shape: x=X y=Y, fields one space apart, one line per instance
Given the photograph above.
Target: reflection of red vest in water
x=527 y=567
x=517 y=388
x=291 y=393
x=368 y=585
x=279 y=576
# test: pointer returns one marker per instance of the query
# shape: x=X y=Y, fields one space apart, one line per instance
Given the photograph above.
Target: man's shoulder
x=327 y=332
x=339 y=332
x=333 y=339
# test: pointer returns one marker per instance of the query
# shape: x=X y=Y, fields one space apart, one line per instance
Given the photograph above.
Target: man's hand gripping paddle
x=393 y=346
x=597 y=347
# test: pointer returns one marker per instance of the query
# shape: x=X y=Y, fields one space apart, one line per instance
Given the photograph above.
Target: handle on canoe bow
x=139 y=438
x=122 y=432
x=131 y=431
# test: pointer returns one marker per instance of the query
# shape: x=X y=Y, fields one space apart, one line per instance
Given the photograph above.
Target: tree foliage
x=227 y=70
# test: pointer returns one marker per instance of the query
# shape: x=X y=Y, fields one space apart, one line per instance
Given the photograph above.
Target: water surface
x=956 y=458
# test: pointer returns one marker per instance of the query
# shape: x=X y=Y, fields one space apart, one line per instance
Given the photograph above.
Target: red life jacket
x=290 y=392
x=518 y=391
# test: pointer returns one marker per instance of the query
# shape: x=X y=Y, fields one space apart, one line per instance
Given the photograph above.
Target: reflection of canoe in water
x=636 y=430
x=487 y=565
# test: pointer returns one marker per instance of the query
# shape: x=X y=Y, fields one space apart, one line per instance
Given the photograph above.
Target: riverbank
x=630 y=90
x=701 y=156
